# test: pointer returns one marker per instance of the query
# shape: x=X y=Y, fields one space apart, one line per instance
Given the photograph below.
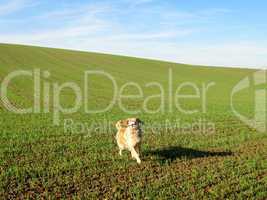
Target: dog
x=129 y=136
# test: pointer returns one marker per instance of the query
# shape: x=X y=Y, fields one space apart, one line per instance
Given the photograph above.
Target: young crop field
x=196 y=145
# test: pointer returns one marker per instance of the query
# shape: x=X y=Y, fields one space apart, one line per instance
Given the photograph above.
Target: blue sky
x=221 y=33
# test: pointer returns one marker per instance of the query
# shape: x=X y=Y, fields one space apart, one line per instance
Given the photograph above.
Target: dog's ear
x=139 y=121
x=121 y=123
x=118 y=124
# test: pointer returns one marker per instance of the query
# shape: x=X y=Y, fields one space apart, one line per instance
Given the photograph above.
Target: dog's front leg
x=135 y=155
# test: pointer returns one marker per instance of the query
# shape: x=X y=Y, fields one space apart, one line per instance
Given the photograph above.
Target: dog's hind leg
x=138 y=149
x=120 y=148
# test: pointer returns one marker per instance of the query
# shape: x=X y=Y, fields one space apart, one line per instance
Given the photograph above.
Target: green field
x=39 y=159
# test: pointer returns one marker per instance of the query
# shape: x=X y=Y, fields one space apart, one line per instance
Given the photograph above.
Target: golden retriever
x=129 y=136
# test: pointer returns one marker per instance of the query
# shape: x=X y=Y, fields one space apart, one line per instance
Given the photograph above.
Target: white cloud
x=151 y=36
x=91 y=28
x=54 y=35
x=241 y=54
x=78 y=22
x=83 y=21
x=139 y=2
x=134 y=3
x=77 y=12
x=14 y=6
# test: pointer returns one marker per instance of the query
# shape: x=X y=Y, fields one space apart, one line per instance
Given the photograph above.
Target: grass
x=41 y=160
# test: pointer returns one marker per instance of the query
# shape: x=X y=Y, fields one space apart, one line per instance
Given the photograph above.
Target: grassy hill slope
x=39 y=159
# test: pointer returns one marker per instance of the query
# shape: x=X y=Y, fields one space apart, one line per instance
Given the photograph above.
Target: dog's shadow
x=169 y=154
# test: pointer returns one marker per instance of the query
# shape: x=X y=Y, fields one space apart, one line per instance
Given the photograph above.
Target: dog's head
x=132 y=122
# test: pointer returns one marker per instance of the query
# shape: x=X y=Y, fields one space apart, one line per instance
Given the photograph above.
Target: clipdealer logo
x=47 y=94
